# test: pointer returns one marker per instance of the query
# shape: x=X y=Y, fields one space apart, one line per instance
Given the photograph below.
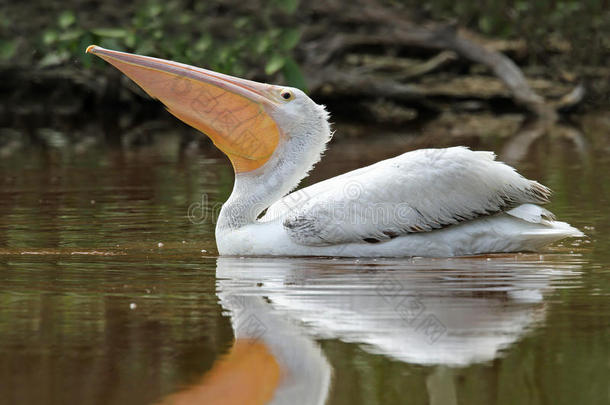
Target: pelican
x=429 y=202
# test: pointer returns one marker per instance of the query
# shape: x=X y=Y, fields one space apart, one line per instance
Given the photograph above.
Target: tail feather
x=557 y=229
x=532 y=213
x=549 y=230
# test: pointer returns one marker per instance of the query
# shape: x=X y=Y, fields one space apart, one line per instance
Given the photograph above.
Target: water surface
x=111 y=291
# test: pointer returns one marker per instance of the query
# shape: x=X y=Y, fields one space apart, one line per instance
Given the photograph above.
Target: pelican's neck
x=255 y=191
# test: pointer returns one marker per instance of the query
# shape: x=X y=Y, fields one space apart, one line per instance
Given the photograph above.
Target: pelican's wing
x=418 y=191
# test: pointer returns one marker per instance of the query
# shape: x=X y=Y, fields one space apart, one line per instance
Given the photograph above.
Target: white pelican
x=430 y=202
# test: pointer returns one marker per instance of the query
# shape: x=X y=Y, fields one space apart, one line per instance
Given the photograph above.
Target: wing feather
x=418 y=191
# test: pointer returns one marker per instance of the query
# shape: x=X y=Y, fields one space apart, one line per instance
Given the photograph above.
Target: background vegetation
x=48 y=82
x=238 y=38
x=223 y=35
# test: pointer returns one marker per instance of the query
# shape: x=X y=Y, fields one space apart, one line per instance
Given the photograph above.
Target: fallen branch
x=383 y=26
x=403 y=68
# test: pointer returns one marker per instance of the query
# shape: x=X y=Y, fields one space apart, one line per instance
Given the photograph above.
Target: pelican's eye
x=286 y=94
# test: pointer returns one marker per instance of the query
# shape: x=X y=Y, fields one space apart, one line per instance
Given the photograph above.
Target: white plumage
x=429 y=202
x=415 y=192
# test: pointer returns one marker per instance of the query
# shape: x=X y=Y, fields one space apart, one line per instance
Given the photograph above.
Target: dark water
x=111 y=291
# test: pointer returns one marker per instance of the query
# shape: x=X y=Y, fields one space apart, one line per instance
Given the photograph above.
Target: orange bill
x=233 y=112
x=247 y=375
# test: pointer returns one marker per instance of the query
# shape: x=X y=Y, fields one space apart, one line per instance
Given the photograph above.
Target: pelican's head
x=254 y=124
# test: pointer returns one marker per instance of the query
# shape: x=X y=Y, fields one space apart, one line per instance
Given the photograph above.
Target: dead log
x=403 y=68
x=383 y=26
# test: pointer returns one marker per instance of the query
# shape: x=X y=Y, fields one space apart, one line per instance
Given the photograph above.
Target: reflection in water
x=517 y=148
x=444 y=313
x=270 y=362
x=249 y=374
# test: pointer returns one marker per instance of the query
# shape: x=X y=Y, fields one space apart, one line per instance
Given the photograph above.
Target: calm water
x=111 y=291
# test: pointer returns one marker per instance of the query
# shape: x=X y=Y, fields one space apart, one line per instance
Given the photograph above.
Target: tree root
x=335 y=62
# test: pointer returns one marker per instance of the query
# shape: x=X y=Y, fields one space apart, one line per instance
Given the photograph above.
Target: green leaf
x=274 y=33
x=56 y=58
x=5 y=22
x=275 y=63
x=145 y=47
x=111 y=43
x=262 y=44
x=154 y=9
x=130 y=40
x=485 y=24
x=70 y=36
x=290 y=38
x=7 y=49
x=110 y=32
x=522 y=6
x=203 y=44
x=289 y=6
x=49 y=37
x=293 y=75
x=241 y=22
x=66 y=19
x=85 y=58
